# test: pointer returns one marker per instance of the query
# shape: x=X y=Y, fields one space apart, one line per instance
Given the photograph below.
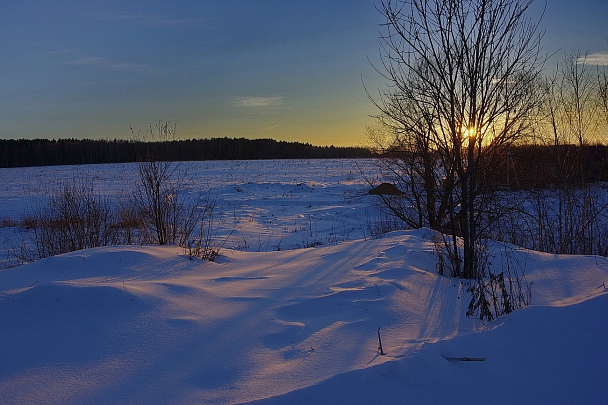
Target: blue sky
x=288 y=70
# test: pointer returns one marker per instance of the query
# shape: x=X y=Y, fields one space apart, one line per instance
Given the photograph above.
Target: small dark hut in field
x=385 y=189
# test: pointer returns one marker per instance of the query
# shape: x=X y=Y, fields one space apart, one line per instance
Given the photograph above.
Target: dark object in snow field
x=385 y=189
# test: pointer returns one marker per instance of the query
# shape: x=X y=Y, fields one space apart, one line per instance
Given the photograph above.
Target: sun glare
x=469 y=132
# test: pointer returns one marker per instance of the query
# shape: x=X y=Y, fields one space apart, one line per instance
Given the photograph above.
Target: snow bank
x=147 y=325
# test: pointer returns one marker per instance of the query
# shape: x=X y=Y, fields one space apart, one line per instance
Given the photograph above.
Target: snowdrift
x=147 y=325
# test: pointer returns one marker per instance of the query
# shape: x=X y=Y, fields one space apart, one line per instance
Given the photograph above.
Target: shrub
x=74 y=218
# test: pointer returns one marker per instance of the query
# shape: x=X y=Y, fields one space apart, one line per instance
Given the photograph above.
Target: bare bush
x=163 y=209
x=130 y=221
x=74 y=218
x=447 y=254
x=170 y=213
x=199 y=235
x=499 y=289
x=8 y=223
x=158 y=199
x=382 y=224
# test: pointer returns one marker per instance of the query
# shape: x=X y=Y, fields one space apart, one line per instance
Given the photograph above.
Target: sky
x=290 y=70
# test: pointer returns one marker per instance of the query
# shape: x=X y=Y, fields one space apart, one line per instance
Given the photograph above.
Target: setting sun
x=469 y=132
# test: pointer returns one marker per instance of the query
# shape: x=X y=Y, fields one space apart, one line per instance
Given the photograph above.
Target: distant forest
x=46 y=152
x=524 y=166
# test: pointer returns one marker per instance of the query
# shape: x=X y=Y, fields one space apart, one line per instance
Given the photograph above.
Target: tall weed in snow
x=501 y=286
x=199 y=232
x=562 y=220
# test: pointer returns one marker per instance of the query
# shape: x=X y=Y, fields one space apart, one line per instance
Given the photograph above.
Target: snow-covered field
x=144 y=324
x=260 y=205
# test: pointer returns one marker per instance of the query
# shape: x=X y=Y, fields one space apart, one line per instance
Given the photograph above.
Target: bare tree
x=579 y=100
x=573 y=112
x=462 y=85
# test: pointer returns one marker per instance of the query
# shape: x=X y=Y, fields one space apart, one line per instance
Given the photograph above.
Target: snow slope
x=145 y=324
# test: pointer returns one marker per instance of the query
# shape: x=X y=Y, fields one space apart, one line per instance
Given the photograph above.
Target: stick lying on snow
x=464 y=358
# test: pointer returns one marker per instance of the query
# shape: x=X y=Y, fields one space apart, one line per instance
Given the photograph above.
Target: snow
x=145 y=324
x=261 y=205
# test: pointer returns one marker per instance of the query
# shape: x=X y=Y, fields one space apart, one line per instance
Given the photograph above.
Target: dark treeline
x=542 y=166
x=46 y=152
x=530 y=166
